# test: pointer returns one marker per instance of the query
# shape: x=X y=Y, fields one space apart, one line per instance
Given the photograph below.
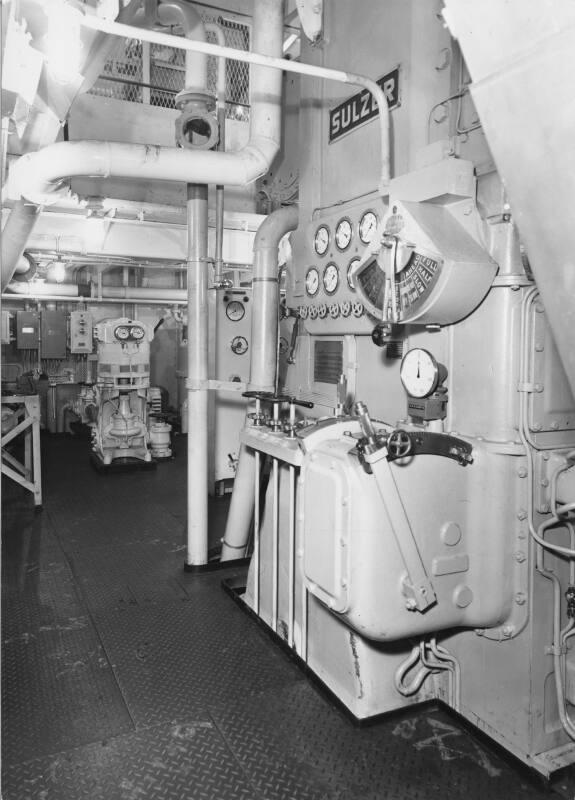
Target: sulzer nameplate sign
x=361 y=107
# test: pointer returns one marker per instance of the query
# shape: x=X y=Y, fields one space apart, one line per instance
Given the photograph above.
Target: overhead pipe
x=65 y=290
x=264 y=336
x=38 y=176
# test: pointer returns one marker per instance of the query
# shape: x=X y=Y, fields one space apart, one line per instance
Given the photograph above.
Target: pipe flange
x=197 y=129
x=202 y=100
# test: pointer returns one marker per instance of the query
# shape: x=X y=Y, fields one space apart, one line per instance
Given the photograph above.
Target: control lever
x=275 y=424
x=294 y=334
x=291 y=426
x=373 y=451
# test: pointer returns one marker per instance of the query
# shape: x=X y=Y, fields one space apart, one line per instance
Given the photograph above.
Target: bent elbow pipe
x=265 y=283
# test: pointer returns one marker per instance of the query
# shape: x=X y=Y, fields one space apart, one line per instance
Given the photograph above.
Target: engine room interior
x=309 y=264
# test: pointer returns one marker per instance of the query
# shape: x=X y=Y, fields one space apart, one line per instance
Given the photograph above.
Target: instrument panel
x=328 y=250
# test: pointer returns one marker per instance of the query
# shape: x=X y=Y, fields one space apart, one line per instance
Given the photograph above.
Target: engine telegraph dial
x=419 y=373
x=367 y=226
x=312 y=281
x=235 y=311
x=321 y=240
x=330 y=278
x=343 y=234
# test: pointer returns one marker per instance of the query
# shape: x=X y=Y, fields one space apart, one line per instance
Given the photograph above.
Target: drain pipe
x=262 y=367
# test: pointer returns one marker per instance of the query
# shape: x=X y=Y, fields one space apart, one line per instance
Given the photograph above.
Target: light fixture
x=57 y=271
x=62 y=42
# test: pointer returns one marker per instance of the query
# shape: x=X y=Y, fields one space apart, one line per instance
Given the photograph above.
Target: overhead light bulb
x=62 y=41
x=57 y=271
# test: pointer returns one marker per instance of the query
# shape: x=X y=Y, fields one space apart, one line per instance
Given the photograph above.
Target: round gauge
x=330 y=278
x=367 y=226
x=343 y=233
x=122 y=332
x=235 y=310
x=419 y=373
x=239 y=345
x=137 y=332
x=321 y=240
x=350 y=280
x=312 y=281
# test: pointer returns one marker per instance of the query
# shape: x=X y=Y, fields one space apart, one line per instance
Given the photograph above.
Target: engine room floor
x=125 y=678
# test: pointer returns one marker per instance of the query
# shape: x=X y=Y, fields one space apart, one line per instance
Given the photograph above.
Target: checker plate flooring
x=123 y=677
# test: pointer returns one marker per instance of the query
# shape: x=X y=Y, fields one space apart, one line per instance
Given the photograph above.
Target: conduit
x=265 y=284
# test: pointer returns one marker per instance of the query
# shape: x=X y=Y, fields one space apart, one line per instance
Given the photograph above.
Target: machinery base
x=120 y=465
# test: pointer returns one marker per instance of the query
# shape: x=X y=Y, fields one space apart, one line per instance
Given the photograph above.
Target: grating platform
x=125 y=678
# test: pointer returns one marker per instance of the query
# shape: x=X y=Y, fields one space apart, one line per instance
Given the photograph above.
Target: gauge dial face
x=235 y=310
x=419 y=373
x=367 y=226
x=239 y=345
x=312 y=281
x=122 y=332
x=350 y=280
x=343 y=234
x=137 y=332
x=330 y=278
x=321 y=240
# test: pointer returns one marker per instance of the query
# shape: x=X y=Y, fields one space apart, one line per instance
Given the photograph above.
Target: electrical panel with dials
x=81 y=339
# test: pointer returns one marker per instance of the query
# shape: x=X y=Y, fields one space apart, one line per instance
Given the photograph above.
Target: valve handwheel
x=399 y=444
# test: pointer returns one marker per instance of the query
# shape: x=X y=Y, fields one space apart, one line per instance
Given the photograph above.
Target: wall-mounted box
x=27 y=326
x=81 y=327
x=53 y=329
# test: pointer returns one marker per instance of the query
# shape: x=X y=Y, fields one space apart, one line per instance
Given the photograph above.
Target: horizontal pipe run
x=340 y=76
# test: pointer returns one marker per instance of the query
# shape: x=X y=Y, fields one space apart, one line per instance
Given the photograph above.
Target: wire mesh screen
x=154 y=74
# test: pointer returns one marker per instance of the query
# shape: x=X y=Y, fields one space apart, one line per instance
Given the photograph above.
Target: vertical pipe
x=256 y=558
x=275 y=542
x=291 y=546
x=197 y=380
x=217 y=31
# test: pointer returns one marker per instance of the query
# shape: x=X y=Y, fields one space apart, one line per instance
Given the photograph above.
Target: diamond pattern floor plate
x=187 y=760
x=303 y=748
x=215 y=653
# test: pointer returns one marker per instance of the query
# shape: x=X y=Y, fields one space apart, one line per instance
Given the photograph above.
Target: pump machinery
x=121 y=391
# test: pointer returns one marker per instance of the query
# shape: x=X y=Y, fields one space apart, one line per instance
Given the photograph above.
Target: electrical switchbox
x=27 y=325
x=81 y=332
x=53 y=327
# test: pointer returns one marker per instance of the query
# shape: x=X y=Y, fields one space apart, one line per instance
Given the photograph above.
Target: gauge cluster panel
x=326 y=252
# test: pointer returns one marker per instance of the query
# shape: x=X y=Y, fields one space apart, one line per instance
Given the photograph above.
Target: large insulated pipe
x=15 y=233
x=197 y=378
x=262 y=367
x=265 y=283
x=177 y=12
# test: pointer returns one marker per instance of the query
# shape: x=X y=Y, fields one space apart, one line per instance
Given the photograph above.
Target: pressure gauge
x=312 y=281
x=343 y=233
x=321 y=240
x=122 y=332
x=330 y=278
x=137 y=332
x=420 y=373
x=235 y=310
x=239 y=345
x=350 y=280
x=367 y=226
